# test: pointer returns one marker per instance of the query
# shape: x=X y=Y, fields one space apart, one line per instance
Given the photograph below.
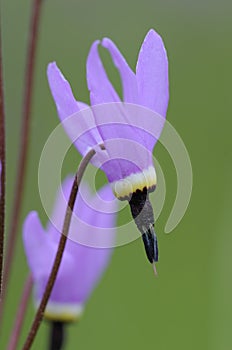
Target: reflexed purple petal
x=101 y=89
x=146 y=123
x=82 y=105
x=127 y=155
x=86 y=127
x=91 y=214
x=81 y=266
x=57 y=218
x=94 y=262
x=152 y=74
x=82 y=208
x=127 y=146
x=76 y=117
x=64 y=277
x=100 y=207
x=62 y=93
x=41 y=251
x=36 y=245
x=128 y=78
x=78 y=275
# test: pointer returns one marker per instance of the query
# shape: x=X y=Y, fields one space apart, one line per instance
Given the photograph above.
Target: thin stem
x=20 y=314
x=56 y=340
x=3 y=169
x=23 y=152
x=67 y=220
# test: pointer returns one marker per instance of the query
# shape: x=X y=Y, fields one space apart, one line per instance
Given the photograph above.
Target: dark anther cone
x=142 y=213
x=56 y=335
x=151 y=245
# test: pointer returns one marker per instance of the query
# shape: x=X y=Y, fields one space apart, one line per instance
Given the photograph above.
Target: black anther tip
x=151 y=245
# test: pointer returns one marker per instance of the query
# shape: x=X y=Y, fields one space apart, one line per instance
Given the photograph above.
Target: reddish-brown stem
x=23 y=151
x=3 y=168
x=20 y=314
x=67 y=220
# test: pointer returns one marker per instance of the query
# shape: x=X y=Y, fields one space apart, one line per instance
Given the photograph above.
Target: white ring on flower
x=63 y=312
x=124 y=188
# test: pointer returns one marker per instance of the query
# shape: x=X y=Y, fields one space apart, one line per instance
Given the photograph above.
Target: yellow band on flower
x=63 y=312
x=124 y=188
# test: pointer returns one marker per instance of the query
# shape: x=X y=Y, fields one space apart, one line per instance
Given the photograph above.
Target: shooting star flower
x=127 y=130
x=81 y=266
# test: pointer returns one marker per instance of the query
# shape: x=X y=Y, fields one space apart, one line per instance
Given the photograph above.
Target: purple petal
x=127 y=157
x=80 y=273
x=152 y=74
x=56 y=221
x=76 y=117
x=97 y=212
x=128 y=145
x=91 y=213
x=76 y=279
x=62 y=92
x=101 y=90
x=36 y=245
x=82 y=208
x=94 y=219
x=64 y=278
x=81 y=266
x=128 y=78
x=40 y=253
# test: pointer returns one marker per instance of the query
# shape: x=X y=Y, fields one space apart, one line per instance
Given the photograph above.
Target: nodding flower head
x=123 y=132
x=82 y=265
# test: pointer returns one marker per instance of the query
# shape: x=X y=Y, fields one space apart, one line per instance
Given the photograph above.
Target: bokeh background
x=189 y=305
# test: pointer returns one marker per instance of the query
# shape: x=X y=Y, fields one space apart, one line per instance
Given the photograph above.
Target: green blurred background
x=189 y=305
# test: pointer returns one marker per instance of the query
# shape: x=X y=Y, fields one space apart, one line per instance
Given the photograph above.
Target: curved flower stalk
x=2 y=227
x=128 y=129
x=0 y=178
x=81 y=266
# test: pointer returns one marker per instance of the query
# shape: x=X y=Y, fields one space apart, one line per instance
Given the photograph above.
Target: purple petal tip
x=154 y=40
x=105 y=42
x=152 y=33
x=31 y=218
x=51 y=65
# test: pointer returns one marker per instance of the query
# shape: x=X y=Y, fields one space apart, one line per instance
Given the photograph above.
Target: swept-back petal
x=128 y=78
x=125 y=144
x=95 y=223
x=60 y=292
x=152 y=74
x=91 y=214
x=101 y=89
x=56 y=219
x=40 y=250
x=93 y=263
x=62 y=93
x=82 y=265
x=82 y=209
x=36 y=245
x=76 y=117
